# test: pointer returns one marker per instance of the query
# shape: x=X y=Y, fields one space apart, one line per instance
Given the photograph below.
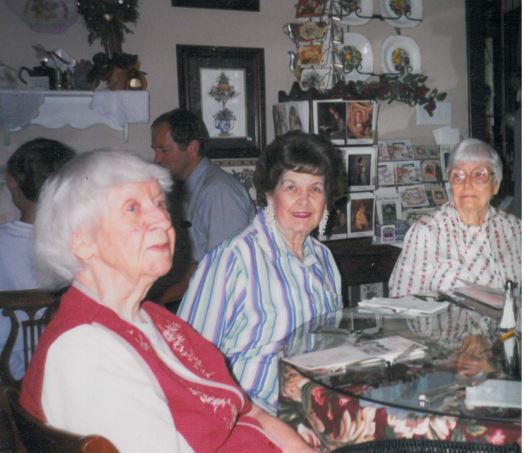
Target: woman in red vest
x=109 y=364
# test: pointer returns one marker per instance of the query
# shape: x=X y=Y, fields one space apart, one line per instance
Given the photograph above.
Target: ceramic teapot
x=41 y=77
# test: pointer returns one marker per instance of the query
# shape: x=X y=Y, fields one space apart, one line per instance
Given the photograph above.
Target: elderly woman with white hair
x=466 y=239
x=109 y=364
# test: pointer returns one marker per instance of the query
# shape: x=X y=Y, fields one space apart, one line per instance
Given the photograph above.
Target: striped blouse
x=250 y=292
x=440 y=250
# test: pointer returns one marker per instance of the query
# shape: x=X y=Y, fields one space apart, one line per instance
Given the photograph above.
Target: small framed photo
x=298 y=115
x=361 y=214
x=408 y=172
x=386 y=174
x=361 y=122
x=337 y=226
x=361 y=167
x=330 y=120
x=414 y=215
x=430 y=170
x=280 y=120
x=243 y=170
x=413 y=196
x=396 y=149
x=388 y=211
x=438 y=195
x=387 y=233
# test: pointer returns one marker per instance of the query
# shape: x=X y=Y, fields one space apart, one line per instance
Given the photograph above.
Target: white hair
x=474 y=150
x=71 y=198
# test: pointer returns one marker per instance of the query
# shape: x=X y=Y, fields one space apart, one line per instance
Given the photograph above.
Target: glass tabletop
x=462 y=351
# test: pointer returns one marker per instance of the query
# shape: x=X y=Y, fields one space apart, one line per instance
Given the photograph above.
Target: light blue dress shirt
x=217 y=205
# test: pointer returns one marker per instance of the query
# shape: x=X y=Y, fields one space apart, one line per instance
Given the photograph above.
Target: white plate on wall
x=363 y=46
x=395 y=43
x=402 y=22
x=366 y=10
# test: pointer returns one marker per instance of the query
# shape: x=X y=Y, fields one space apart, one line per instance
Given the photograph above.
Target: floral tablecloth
x=329 y=419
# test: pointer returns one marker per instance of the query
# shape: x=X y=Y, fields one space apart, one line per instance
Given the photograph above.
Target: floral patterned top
x=440 y=251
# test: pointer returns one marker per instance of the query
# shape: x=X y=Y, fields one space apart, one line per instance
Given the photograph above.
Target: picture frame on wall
x=361 y=214
x=240 y=5
x=361 y=167
x=388 y=211
x=225 y=87
x=289 y=116
x=329 y=119
x=361 y=117
x=243 y=170
x=337 y=226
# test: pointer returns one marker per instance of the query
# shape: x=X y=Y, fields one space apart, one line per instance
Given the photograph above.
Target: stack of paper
x=409 y=305
x=391 y=349
x=489 y=296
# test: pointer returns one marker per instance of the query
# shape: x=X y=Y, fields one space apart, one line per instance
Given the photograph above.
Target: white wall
x=441 y=37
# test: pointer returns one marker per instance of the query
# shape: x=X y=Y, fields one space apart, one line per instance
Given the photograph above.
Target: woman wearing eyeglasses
x=466 y=239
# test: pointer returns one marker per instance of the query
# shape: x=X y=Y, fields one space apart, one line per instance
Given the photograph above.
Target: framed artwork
x=241 y=5
x=361 y=167
x=361 y=214
x=243 y=170
x=361 y=121
x=280 y=119
x=387 y=233
x=430 y=170
x=413 y=196
x=330 y=120
x=288 y=116
x=386 y=174
x=388 y=211
x=408 y=172
x=414 y=215
x=225 y=87
x=337 y=226
x=396 y=149
x=438 y=195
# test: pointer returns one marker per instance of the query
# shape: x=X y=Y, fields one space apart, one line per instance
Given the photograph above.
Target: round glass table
x=464 y=386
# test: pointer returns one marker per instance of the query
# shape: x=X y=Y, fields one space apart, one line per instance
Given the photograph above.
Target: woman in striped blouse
x=253 y=290
x=466 y=239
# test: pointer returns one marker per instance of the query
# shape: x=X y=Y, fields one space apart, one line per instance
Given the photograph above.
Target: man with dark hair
x=27 y=169
x=216 y=205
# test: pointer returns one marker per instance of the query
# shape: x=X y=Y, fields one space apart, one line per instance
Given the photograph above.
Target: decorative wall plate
x=400 y=51
x=409 y=12
x=353 y=12
x=356 y=57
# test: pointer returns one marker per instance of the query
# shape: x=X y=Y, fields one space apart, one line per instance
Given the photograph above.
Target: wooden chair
x=29 y=435
x=30 y=302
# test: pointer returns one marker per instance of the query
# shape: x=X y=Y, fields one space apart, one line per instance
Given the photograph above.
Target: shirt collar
x=275 y=246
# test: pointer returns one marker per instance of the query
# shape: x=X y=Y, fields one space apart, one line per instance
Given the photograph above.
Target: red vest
x=210 y=419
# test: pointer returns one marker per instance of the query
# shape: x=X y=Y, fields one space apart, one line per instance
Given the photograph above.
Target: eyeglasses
x=478 y=176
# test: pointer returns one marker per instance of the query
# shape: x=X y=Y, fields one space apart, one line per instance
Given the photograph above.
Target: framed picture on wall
x=361 y=117
x=225 y=87
x=329 y=120
x=361 y=167
x=361 y=214
x=243 y=170
x=242 y=5
x=388 y=211
x=337 y=226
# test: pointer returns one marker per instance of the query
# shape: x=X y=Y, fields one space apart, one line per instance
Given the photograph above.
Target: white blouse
x=440 y=250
